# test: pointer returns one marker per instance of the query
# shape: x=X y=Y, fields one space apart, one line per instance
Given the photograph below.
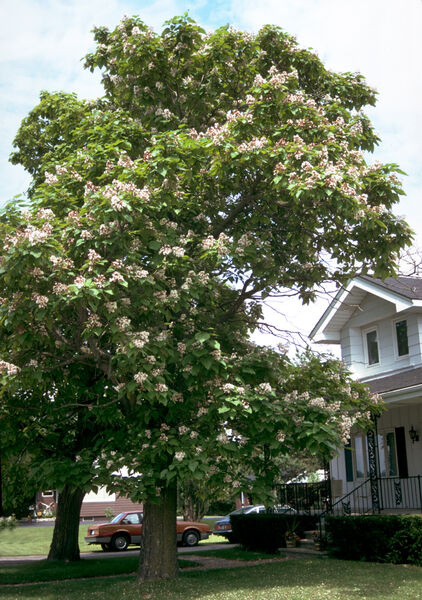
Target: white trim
x=410 y=393
x=401 y=303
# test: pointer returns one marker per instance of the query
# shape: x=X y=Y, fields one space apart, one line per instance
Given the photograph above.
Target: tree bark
x=65 y=544
x=158 y=559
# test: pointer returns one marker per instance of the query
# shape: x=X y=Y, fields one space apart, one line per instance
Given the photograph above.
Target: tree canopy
x=217 y=169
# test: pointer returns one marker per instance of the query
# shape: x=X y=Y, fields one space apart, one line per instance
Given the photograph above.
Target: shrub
x=266 y=532
x=8 y=522
x=377 y=538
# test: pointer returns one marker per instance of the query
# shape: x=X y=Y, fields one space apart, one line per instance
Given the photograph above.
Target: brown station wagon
x=126 y=529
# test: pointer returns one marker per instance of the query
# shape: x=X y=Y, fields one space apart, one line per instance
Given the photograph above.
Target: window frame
x=386 y=462
x=364 y=456
x=365 y=333
x=396 y=341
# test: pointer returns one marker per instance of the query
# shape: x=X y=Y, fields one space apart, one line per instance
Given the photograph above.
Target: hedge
x=377 y=538
x=266 y=532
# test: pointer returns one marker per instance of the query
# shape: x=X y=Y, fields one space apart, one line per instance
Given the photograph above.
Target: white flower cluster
x=37 y=273
x=40 y=300
x=50 y=179
x=264 y=388
x=209 y=242
x=177 y=251
x=217 y=133
x=279 y=168
x=8 y=368
x=33 y=234
x=228 y=388
x=161 y=387
x=254 y=144
x=45 y=213
x=234 y=115
x=93 y=321
x=280 y=437
x=93 y=256
x=116 y=276
x=140 y=338
x=125 y=161
x=123 y=323
x=90 y=188
x=318 y=403
x=278 y=78
x=60 y=288
x=79 y=281
x=140 y=377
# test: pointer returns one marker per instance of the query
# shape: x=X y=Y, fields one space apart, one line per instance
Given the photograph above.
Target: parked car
x=126 y=529
x=223 y=527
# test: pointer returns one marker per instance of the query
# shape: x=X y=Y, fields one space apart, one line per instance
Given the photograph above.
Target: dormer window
x=401 y=338
x=372 y=347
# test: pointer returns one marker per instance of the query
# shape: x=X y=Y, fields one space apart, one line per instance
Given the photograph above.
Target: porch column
x=373 y=472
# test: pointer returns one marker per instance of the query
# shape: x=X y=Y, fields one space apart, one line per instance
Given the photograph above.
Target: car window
x=131 y=519
x=117 y=518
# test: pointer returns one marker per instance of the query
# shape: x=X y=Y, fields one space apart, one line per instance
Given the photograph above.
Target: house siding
x=400 y=416
x=96 y=510
x=353 y=341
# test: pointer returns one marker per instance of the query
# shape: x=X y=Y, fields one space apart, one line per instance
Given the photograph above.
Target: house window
x=359 y=458
x=360 y=455
x=401 y=338
x=372 y=347
x=391 y=454
x=348 y=459
x=48 y=494
x=387 y=454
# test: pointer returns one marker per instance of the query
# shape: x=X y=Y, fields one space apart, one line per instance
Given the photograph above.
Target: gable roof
x=397 y=381
x=403 y=293
x=409 y=287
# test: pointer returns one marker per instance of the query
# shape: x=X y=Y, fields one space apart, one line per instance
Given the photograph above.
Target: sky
x=42 y=43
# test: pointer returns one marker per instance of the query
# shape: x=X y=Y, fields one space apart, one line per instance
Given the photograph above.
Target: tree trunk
x=158 y=558
x=65 y=544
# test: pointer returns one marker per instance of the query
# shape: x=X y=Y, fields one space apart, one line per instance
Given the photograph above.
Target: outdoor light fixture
x=414 y=436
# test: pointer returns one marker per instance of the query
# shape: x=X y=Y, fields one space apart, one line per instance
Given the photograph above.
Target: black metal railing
x=358 y=501
x=400 y=493
x=382 y=494
x=305 y=498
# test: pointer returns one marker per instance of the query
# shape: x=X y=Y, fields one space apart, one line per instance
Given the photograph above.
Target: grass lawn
x=26 y=540
x=305 y=579
x=49 y=571
x=236 y=553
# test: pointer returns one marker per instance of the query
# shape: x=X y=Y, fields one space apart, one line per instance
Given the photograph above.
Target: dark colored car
x=223 y=526
x=126 y=529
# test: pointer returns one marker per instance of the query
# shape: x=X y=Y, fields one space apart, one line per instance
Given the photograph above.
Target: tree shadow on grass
x=288 y=580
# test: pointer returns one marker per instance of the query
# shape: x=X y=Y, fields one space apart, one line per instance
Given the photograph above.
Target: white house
x=378 y=325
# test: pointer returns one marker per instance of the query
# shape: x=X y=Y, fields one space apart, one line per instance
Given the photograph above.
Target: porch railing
x=394 y=494
x=305 y=498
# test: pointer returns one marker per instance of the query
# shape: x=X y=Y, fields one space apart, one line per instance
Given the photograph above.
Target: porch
x=376 y=495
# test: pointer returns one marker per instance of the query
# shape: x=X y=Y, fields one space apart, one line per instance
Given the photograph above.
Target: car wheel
x=106 y=547
x=119 y=542
x=190 y=538
x=231 y=539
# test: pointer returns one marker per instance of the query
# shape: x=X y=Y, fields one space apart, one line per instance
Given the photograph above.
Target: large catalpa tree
x=217 y=169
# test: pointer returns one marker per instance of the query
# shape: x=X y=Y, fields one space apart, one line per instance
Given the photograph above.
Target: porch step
x=305 y=548
x=303 y=552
